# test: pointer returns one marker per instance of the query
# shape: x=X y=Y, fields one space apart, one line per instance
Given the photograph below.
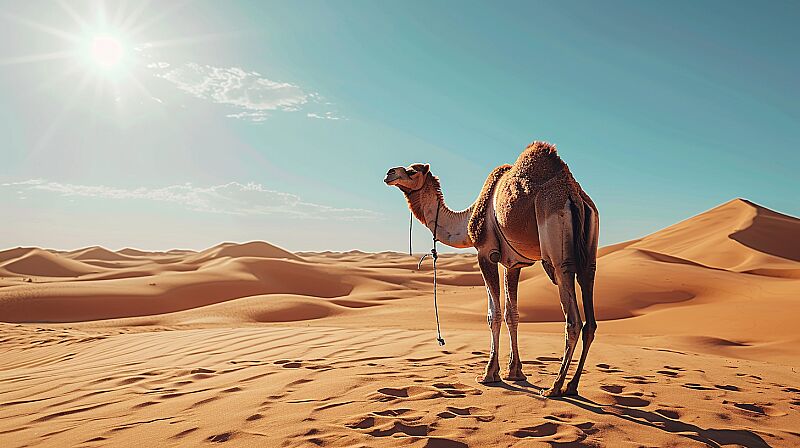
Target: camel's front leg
x=492 y=280
x=512 y=322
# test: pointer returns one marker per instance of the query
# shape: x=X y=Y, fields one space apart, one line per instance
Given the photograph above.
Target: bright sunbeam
x=106 y=51
x=102 y=51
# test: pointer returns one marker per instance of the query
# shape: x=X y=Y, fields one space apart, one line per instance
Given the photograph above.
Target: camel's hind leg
x=566 y=291
x=586 y=280
x=512 y=322
x=555 y=236
x=492 y=280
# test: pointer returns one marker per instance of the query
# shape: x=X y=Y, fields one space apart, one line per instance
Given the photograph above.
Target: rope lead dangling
x=410 y=228
x=435 y=256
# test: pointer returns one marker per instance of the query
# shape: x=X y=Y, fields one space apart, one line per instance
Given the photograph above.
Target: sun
x=106 y=51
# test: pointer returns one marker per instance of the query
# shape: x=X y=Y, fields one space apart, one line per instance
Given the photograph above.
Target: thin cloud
x=234 y=198
x=252 y=93
x=325 y=116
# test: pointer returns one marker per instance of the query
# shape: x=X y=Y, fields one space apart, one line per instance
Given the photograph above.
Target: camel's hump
x=477 y=222
x=542 y=148
x=538 y=163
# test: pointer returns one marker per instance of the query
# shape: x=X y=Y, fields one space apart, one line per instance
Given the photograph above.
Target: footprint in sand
x=587 y=427
x=479 y=414
x=185 y=433
x=439 y=390
x=203 y=401
x=392 y=392
x=679 y=369
x=457 y=390
x=629 y=401
x=638 y=379
x=289 y=364
x=760 y=409
x=366 y=423
x=400 y=428
x=608 y=369
x=219 y=438
x=319 y=367
x=750 y=407
x=695 y=386
x=552 y=433
x=612 y=388
x=144 y=404
x=439 y=442
x=390 y=428
x=130 y=380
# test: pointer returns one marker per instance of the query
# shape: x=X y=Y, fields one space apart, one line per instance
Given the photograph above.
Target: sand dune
x=258 y=249
x=41 y=263
x=736 y=236
x=254 y=345
x=96 y=253
x=17 y=252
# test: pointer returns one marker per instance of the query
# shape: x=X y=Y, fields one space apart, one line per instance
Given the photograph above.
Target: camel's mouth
x=390 y=178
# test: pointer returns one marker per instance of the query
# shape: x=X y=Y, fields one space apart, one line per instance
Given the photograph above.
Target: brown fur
x=540 y=173
x=580 y=229
x=477 y=222
x=414 y=197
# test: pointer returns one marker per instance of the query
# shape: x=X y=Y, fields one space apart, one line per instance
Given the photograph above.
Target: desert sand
x=252 y=345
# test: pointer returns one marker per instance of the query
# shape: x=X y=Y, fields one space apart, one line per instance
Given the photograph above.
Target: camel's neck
x=451 y=226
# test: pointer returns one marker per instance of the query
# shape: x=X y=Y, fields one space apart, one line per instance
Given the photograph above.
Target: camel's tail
x=581 y=226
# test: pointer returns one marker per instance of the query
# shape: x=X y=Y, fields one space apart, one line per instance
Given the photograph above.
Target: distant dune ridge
x=96 y=253
x=697 y=321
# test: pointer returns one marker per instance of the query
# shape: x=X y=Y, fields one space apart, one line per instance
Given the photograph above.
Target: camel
x=531 y=211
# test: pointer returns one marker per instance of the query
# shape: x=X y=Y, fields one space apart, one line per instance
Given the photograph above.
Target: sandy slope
x=253 y=345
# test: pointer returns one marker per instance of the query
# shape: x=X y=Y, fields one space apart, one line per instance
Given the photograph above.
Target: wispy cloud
x=253 y=94
x=231 y=198
x=325 y=116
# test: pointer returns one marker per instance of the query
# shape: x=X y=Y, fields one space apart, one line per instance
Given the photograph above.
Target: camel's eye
x=411 y=172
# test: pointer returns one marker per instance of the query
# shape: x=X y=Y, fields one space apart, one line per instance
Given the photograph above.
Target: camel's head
x=408 y=178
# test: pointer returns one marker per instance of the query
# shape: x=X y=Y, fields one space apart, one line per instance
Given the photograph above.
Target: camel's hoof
x=552 y=392
x=571 y=391
x=488 y=378
x=516 y=376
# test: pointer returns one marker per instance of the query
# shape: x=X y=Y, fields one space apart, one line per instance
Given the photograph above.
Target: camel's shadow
x=708 y=436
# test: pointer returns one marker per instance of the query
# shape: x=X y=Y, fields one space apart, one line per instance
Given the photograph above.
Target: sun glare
x=106 y=51
x=100 y=50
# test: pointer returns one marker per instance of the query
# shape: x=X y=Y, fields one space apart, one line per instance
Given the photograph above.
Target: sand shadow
x=708 y=436
x=524 y=387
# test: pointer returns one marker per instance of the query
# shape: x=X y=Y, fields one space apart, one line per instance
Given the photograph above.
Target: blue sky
x=277 y=120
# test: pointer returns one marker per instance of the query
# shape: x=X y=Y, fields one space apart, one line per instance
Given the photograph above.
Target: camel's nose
x=390 y=172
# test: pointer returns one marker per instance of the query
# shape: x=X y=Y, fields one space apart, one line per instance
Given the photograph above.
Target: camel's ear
x=425 y=168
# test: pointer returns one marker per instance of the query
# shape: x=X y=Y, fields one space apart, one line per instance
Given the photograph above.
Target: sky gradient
x=276 y=121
